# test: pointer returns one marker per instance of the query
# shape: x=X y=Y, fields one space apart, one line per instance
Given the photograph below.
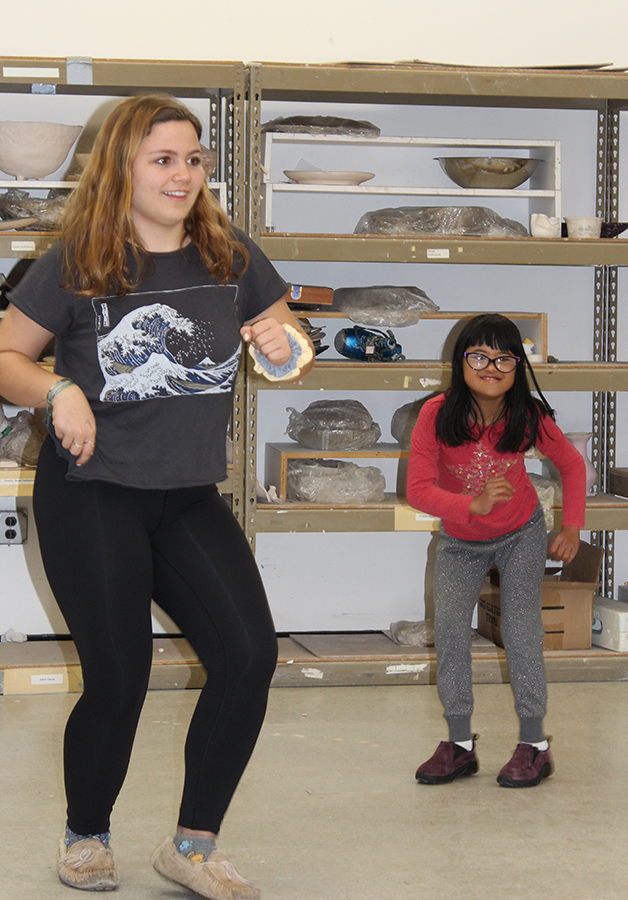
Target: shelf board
x=17 y=482
x=429 y=84
x=140 y=73
x=405 y=190
x=418 y=376
x=26 y=244
x=604 y=512
x=434 y=250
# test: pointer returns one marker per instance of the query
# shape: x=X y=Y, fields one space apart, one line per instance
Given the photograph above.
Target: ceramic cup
x=583 y=227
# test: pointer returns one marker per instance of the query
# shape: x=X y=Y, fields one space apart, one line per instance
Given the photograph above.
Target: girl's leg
x=521 y=562
x=207 y=581
x=460 y=570
x=98 y=561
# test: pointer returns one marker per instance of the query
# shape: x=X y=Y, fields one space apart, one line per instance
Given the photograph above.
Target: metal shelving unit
x=425 y=85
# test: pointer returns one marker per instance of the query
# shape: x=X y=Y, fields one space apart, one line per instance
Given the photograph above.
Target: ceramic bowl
x=583 y=227
x=487 y=171
x=35 y=149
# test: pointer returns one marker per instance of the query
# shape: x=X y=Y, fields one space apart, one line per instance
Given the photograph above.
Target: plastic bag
x=413 y=634
x=417 y=634
x=403 y=422
x=18 y=204
x=333 y=425
x=25 y=434
x=334 y=481
x=383 y=306
x=462 y=220
x=322 y=125
x=549 y=492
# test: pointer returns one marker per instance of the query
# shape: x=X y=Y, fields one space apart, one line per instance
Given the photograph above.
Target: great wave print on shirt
x=157 y=350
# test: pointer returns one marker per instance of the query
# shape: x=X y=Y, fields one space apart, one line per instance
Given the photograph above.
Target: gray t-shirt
x=158 y=365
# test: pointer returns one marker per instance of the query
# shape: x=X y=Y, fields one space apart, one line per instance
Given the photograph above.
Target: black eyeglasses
x=479 y=361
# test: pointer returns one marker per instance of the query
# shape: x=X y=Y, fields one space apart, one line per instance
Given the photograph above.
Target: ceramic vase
x=580 y=439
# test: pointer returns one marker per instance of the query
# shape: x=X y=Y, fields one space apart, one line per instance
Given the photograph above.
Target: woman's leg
x=521 y=561
x=98 y=562
x=207 y=581
x=460 y=570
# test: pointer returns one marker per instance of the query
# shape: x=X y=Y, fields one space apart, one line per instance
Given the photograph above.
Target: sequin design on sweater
x=482 y=466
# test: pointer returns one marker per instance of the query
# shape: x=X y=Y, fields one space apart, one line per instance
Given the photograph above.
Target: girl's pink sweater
x=442 y=481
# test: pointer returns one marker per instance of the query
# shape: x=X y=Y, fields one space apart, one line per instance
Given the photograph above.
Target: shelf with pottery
x=432 y=375
x=544 y=187
x=532 y=325
x=603 y=512
x=445 y=250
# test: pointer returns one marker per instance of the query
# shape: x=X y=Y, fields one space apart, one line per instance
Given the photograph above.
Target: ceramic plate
x=305 y=176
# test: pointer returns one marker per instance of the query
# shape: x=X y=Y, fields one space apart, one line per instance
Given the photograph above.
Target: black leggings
x=107 y=551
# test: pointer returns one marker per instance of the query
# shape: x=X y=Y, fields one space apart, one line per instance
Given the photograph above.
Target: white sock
x=468 y=745
x=542 y=745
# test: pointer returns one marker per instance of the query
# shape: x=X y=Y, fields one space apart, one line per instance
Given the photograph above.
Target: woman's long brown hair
x=98 y=225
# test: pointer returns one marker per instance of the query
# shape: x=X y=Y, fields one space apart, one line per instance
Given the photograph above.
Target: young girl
x=467 y=467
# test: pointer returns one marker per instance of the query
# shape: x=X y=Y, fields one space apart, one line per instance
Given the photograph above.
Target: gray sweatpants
x=461 y=567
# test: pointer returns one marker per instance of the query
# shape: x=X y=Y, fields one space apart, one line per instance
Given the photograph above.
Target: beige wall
x=467 y=32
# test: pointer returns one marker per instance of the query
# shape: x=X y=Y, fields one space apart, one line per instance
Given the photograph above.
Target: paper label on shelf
x=46 y=679
x=29 y=72
x=435 y=253
x=22 y=246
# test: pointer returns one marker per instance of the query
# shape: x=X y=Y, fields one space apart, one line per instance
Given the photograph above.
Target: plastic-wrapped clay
x=18 y=204
x=413 y=634
x=403 y=422
x=333 y=425
x=384 y=306
x=22 y=437
x=11 y=636
x=322 y=125
x=549 y=492
x=439 y=220
x=334 y=481
x=417 y=634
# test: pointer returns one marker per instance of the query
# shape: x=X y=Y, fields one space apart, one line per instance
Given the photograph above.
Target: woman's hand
x=565 y=545
x=496 y=490
x=74 y=424
x=269 y=338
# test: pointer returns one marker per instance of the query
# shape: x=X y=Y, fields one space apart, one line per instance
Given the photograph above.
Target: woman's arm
x=24 y=383
x=269 y=338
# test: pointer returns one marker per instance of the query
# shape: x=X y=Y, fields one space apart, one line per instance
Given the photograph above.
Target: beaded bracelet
x=301 y=353
x=55 y=389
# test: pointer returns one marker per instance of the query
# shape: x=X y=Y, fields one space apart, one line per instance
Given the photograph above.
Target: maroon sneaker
x=526 y=767
x=450 y=761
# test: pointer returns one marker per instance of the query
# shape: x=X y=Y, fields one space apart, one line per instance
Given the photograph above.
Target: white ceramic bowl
x=35 y=149
x=583 y=227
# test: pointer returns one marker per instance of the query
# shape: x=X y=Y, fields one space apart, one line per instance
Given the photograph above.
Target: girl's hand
x=565 y=545
x=74 y=424
x=269 y=338
x=496 y=490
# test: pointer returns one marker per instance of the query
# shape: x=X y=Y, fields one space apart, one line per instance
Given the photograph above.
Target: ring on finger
x=76 y=444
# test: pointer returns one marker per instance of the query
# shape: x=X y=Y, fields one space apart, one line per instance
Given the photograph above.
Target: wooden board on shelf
x=17 y=482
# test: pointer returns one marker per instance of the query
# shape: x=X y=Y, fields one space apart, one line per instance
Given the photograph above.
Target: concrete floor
x=329 y=808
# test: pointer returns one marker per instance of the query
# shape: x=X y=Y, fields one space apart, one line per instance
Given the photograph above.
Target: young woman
x=149 y=294
x=467 y=467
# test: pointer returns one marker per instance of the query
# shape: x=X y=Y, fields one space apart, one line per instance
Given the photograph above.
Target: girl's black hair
x=523 y=413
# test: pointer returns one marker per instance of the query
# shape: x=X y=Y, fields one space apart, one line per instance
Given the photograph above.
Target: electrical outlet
x=13 y=526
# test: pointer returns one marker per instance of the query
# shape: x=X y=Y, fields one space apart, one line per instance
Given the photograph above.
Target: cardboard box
x=567 y=602
x=610 y=624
